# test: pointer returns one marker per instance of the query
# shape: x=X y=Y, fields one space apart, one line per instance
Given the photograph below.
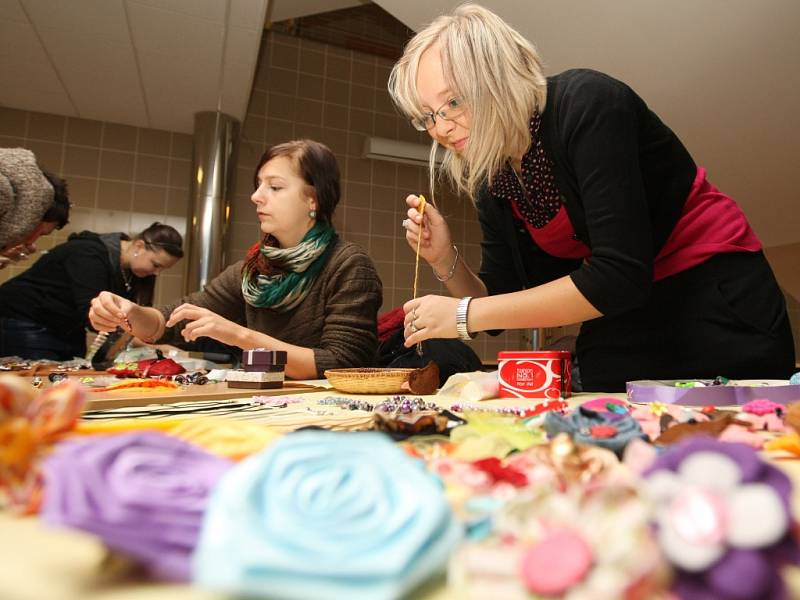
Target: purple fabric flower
x=143 y=493
x=724 y=520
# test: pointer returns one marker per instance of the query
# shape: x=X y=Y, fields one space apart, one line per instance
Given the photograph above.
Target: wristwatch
x=461 y=319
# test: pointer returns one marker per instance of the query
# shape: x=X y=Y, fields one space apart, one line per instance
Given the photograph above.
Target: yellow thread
x=421 y=210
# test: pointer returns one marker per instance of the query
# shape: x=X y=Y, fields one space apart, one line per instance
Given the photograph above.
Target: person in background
x=301 y=289
x=33 y=203
x=43 y=311
x=592 y=212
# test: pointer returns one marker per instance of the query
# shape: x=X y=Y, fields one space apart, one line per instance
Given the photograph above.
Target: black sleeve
x=598 y=122
x=89 y=273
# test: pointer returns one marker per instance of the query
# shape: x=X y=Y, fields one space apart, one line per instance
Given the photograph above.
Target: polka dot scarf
x=539 y=201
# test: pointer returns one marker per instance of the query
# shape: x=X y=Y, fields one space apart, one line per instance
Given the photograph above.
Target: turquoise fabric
x=326 y=515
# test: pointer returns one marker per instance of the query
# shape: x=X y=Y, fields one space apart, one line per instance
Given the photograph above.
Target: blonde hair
x=500 y=76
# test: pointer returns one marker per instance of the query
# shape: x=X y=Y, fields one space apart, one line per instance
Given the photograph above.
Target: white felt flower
x=703 y=509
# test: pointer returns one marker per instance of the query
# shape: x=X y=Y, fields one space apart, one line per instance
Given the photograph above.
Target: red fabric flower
x=493 y=467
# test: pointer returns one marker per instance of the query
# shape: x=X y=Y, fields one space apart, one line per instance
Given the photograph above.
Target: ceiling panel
x=149 y=63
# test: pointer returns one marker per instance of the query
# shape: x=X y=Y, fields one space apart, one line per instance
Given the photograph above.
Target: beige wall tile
x=177 y=202
x=84 y=132
x=282 y=80
x=112 y=220
x=13 y=122
x=363 y=73
x=310 y=87
x=253 y=128
x=335 y=116
x=48 y=154
x=278 y=131
x=284 y=56
x=114 y=195
x=116 y=165
x=308 y=112
x=50 y=128
x=180 y=173
x=337 y=92
x=280 y=106
x=82 y=192
x=80 y=161
x=362 y=97
x=258 y=103
x=7 y=141
x=154 y=141
x=119 y=137
x=151 y=169
x=311 y=63
x=181 y=145
x=362 y=121
x=337 y=67
x=150 y=198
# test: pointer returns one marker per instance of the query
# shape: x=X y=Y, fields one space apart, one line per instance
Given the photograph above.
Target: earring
x=312 y=214
x=135 y=254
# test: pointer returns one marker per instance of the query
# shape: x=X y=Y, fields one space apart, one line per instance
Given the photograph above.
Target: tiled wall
x=120 y=178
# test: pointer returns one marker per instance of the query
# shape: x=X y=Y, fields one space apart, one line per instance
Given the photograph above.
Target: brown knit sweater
x=338 y=318
x=25 y=195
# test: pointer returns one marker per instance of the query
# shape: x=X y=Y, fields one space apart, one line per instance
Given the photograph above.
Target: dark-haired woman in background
x=43 y=311
x=301 y=289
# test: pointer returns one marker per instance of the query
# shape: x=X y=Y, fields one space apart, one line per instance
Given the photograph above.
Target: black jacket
x=57 y=289
x=624 y=177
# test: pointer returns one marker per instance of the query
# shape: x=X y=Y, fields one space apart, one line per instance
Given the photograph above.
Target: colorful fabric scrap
x=30 y=423
x=724 y=520
x=142 y=493
x=326 y=515
x=575 y=546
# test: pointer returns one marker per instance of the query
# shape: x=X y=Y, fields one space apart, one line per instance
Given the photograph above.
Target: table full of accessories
x=322 y=494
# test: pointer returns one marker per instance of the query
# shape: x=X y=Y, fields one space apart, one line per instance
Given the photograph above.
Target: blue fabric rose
x=326 y=515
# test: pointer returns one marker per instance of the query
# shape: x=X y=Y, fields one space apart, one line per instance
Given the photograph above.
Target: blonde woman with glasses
x=592 y=212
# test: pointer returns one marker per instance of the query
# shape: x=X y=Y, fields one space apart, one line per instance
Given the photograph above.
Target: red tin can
x=534 y=374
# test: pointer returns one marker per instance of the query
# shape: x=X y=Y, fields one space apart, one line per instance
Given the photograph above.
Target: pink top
x=710 y=223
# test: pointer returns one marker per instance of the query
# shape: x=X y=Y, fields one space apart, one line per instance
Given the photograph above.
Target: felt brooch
x=327 y=516
x=30 y=423
x=723 y=519
x=576 y=546
x=142 y=493
x=610 y=430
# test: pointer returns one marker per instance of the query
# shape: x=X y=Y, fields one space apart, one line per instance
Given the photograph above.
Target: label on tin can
x=534 y=374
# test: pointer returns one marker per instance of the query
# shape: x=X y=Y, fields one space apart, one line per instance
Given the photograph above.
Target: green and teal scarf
x=280 y=278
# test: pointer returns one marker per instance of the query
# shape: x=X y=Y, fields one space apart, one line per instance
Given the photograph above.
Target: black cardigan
x=57 y=289
x=624 y=177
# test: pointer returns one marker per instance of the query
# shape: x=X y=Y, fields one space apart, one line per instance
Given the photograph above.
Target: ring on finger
x=414 y=314
x=413 y=328
x=405 y=223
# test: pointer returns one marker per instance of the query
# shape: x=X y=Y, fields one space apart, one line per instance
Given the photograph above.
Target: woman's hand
x=429 y=317
x=437 y=244
x=205 y=323
x=108 y=311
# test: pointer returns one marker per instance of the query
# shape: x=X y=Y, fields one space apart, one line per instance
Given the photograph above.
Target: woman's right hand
x=108 y=311
x=436 y=245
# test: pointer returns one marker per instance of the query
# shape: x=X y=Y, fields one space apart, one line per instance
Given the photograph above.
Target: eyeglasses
x=447 y=111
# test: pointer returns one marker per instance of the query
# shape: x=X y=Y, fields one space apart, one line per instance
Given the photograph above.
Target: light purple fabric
x=740 y=574
x=717 y=395
x=143 y=493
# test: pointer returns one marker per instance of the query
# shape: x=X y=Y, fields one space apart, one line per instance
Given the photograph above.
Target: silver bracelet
x=461 y=319
x=452 y=270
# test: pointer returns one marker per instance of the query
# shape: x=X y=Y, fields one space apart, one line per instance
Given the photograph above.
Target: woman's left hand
x=429 y=317
x=205 y=323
